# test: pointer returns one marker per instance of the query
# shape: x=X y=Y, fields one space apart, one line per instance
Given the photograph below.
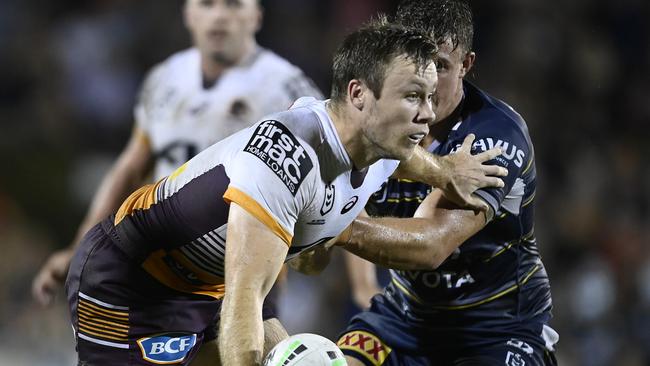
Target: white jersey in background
x=181 y=117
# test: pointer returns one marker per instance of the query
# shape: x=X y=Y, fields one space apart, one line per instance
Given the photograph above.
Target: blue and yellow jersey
x=498 y=267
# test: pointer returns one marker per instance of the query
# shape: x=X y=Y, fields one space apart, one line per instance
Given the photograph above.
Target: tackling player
x=146 y=283
x=487 y=302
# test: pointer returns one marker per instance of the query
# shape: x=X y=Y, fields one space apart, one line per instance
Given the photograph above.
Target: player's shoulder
x=305 y=119
x=492 y=115
x=274 y=64
x=177 y=62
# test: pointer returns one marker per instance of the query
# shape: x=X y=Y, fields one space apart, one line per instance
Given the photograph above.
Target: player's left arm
x=458 y=175
x=419 y=243
x=254 y=257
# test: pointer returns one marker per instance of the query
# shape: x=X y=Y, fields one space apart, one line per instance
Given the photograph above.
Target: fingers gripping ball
x=303 y=350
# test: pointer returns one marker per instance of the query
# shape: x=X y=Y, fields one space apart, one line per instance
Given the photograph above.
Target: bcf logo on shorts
x=166 y=348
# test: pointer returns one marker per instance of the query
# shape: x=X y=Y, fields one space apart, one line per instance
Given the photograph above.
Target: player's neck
x=213 y=67
x=359 y=149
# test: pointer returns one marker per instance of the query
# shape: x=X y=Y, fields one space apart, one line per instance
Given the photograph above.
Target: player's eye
x=440 y=65
x=233 y=3
x=413 y=96
x=206 y=3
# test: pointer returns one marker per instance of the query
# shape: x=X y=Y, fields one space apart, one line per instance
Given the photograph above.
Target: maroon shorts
x=123 y=316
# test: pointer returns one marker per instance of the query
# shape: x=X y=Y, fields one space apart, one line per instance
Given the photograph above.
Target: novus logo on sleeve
x=167 y=348
x=276 y=146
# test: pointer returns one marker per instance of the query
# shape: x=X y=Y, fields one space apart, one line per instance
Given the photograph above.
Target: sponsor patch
x=366 y=344
x=511 y=152
x=348 y=206
x=167 y=348
x=276 y=146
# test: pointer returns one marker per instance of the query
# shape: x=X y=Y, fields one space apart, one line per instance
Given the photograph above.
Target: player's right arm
x=127 y=174
x=458 y=175
x=254 y=257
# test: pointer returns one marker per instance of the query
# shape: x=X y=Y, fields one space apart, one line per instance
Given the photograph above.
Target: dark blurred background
x=576 y=70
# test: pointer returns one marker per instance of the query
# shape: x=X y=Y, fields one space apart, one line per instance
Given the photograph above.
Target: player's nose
x=426 y=114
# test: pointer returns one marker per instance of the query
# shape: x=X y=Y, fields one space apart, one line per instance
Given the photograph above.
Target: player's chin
x=402 y=153
x=220 y=55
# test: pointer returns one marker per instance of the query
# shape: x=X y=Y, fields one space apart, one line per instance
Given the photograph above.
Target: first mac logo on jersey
x=276 y=146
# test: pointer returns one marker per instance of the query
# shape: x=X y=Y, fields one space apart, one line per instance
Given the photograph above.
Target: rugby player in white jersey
x=206 y=243
x=196 y=97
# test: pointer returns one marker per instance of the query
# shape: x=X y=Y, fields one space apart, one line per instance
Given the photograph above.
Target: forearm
x=241 y=332
x=392 y=242
x=424 y=167
x=414 y=243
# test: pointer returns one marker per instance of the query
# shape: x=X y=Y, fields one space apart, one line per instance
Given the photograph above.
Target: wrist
x=441 y=175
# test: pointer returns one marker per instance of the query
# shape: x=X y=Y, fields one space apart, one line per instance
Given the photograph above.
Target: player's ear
x=187 y=21
x=468 y=62
x=356 y=93
x=259 y=16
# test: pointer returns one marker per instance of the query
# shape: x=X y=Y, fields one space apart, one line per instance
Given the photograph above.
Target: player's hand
x=467 y=173
x=51 y=276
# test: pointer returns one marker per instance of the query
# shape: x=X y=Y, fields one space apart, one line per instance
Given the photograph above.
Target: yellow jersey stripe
x=88 y=317
x=249 y=204
x=141 y=199
x=156 y=266
x=200 y=273
x=83 y=329
x=109 y=313
x=104 y=329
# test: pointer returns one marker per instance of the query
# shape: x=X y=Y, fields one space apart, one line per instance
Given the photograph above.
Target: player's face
x=400 y=118
x=223 y=28
x=452 y=66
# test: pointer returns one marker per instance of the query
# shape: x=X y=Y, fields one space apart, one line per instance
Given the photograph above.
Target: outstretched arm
x=422 y=242
x=254 y=257
x=458 y=175
x=125 y=176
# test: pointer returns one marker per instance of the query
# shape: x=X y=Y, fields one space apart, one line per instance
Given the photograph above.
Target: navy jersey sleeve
x=516 y=157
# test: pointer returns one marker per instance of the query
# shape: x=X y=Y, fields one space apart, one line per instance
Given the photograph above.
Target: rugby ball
x=305 y=349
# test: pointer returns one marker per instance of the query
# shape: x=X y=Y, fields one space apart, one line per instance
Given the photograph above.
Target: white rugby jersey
x=290 y=171
x=181 y=118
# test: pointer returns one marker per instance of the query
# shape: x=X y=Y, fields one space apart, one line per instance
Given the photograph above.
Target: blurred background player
x=196 y=97
x=489 y=303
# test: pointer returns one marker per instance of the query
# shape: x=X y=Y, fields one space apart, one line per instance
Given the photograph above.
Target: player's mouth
x=217 y=34
x=416 y=137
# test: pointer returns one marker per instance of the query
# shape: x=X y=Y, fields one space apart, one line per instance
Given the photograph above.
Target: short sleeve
x=272 y=177
x=516 y=157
